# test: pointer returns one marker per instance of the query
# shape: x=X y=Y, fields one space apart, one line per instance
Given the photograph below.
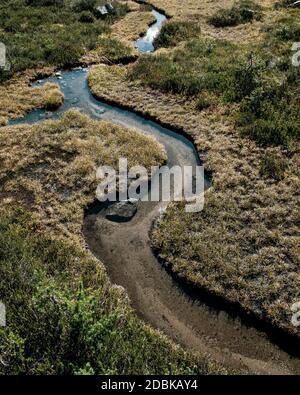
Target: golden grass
x=132 y=26
x=245 y=245
x=50 y=167
x=17 y=97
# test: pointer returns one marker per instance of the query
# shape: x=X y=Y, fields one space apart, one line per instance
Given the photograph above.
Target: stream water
x=125 y=249
x=145 y=43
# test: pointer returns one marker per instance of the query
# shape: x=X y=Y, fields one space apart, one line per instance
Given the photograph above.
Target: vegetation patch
x=17 y=97
x=263 y=94
x=273 y=166
x=241 y=12
x=111 y=50
x=44 y=33
x=173 y=32
x=64 y=317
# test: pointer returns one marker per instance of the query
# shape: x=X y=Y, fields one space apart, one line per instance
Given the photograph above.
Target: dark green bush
x=175 y=31
x=288 y=30
x=86 y=17
x=273 y=166
x=242 y=12
x=270 y=115
x=84 y=5
x=202 y=103
x=41 y=36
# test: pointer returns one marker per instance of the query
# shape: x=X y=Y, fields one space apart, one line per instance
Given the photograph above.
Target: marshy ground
x=227 y=82
x=244 y=246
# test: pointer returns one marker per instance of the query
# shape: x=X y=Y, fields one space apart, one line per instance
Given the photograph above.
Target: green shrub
x=174 y=32
x=84 y=5
x=273 y=166
x=86 y=17
x=202 y=65
x=270 y=116
x=288 y=29
x=65 y=318
x=242 y=12
x=202 y=103
x=37 y=36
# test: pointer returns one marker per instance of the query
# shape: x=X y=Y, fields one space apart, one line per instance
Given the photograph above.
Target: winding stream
x=124 y=248
x=145 y=43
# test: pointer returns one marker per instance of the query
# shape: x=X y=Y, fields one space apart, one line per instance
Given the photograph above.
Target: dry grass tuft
x=17 y=97
x=50 y=167
x=132 y=26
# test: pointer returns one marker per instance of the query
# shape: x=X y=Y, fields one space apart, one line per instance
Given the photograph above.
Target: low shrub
x=86 y=17
x=84 y=5
x=202 y=103
x=175 y=31
x=273 y=166
x=242 y=12
x=114 y=50
x=270 y=116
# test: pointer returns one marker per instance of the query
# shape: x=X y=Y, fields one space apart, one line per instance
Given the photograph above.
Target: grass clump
x=243 y=11
x=113 y=50
x=175 y=31
x=273 y=166
x=18 y=98
x=54 y=98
